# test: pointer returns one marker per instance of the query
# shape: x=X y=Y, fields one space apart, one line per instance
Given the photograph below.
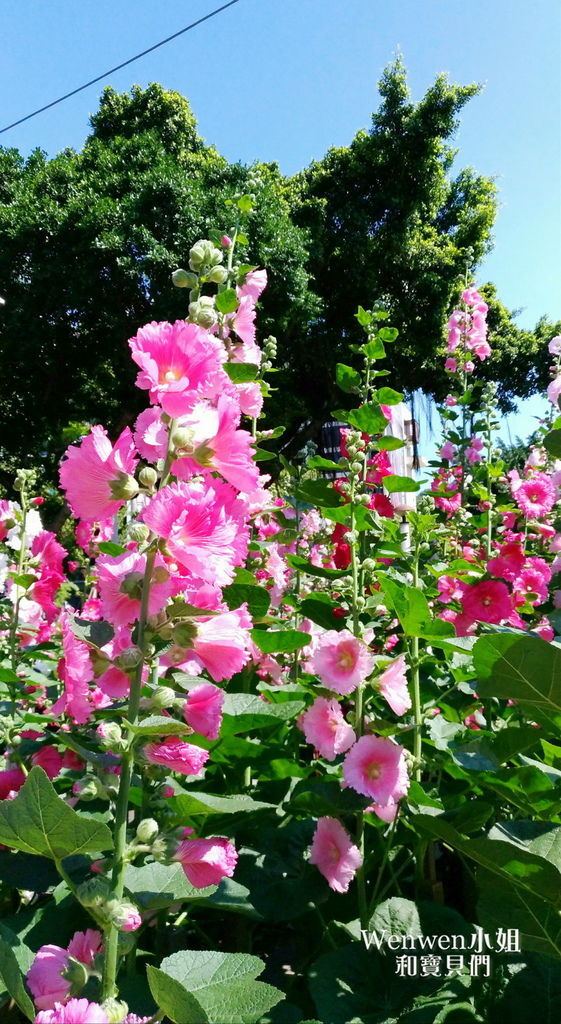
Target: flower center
x=373 y=771
x=345 y=659
x=334 y=854
x=171 y=375
x=486 y=601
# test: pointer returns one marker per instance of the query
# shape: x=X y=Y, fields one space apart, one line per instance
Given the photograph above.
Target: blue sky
x=285 y=79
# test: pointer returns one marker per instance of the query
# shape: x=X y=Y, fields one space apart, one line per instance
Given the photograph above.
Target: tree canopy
x=88 y=242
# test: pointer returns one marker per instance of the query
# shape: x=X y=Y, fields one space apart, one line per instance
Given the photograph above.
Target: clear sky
x=285 y=79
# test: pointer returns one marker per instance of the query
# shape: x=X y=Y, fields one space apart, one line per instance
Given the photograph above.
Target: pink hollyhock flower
x=554 y=347
x=393 y=686
x=84 y=946
x=334 y=854
x=203 y=710
x=177 y=363
x=509 y=562
x=469 y=366
x=255 y=282
x=488 y=601
x=44 y=977
x=49 y=759
x=46 y=547
x=341 y=661
x=114 y=683
x=382 y=505
x=243 y=323
x=11 y=781
x=324 y=725
x=132 y=921
x=544 y=629
x=177 y=756
x=555 y=544
x=386 y=812
x=222 y=642
x=376 y=768
x=75 y=669
x=536 y=497
x=93 y=471
x=450 y=401
x=251 y=399
x=482 y=349
x=451 y=365
x=150 y=435
x=222 y=448
x=206 y=861
x=554 y=390
x=120 y=587
x=454 y=338
x=204 y=525
x=76 y=1011
x=89 y=535
x=530 y=582
x=448 y=451
x=449 y=589
x=448 y=481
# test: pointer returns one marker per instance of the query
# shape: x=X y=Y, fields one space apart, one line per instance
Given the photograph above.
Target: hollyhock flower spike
x=341 y=661
x=177 y=363
x=334 y=854
x=98 y=476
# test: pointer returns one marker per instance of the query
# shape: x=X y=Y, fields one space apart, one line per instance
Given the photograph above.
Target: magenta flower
x=222 y=642
x=251 y=399
x=206 y=861
x=11 y=781
x=76 y=1011
x=376 y=768
x=393 y=686
x=76 y=670
x=448 y=451
x=324 y=725
x=224 y=449
x=536 y=497
x=509 y=562
x=488 y=601
x=177 y=756
x=44 y=977
x=120 y=587
x=49 y=759
x=204 y=525
x=334 y=854
x=203 y=710
x=341 y=661
x=178 y=362
x=93 y=471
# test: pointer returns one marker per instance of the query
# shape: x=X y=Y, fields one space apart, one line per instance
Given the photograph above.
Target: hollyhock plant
x=206 y=861
x=334 y=854
x=45 y=977
x=98 y=476
x=393 y=686
x=536 y=497
x=203 y=709
x=324 y=725
x=488 y=601
x=177 y=756
x=221 y=643
x=75 y=1011
x=375 y=767
x=341 y=661
x=120 y=581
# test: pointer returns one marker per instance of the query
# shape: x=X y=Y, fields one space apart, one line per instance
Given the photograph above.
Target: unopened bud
x=131 y=585
x=90 y=788
x=115 y=1010
x=217 y=275
x=184 y=279
x=110 y=735
x=356 y=466
x=138 y=532
x=148 y=477
x=94 y=891
x=160 y=574
x=130 y=657
x=182 y=437
x=76 y=973
x=147 y=830
x=124 y=915
x=123 y=487
x=184 y=633
x=369 y=565
x=163 y=697
x=202 y=312
x=204 y=254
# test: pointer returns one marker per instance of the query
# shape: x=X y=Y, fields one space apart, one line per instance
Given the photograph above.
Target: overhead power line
x=118 y=67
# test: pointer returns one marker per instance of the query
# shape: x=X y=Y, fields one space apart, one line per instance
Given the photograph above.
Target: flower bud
x=182 y=437
x=163 y=697
x=129 y=658
x=184 y=279
x=226 y=241
x=110 y=735
x=204 y=254
x=94 y=891
x=123 y=487
x=115 y=1010
x=138 y=532
x=148 y=477
x=202 y=311
x=147 y=830
x=160 y=574
x=369 y=565
x=124 y=915
x=131 y=585
x=217 y=275
x=90 y=788
x=184 y=633
x=77 y=974
x=356 y=466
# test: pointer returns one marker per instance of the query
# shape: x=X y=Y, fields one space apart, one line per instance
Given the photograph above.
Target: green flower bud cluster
x=138 y=532
x=203 y=312
x=148 y=478
x=147 y=831
x=183 y=279
x=94 y=892
x=204 y=255
x=269 y=353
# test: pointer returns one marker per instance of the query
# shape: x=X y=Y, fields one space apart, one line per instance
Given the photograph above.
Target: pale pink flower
x=178 y=362
x=251 y=399
x=376 y=768
x=120 y=581
x=93 y=469
x=203 y=709
x=76 y=671
x=324 y=725
x=222 y=642
x=44 y=977
x=76 y=1011
x=334 y=854
x=537 y=496
x=448 y=451
x=255 y=282
x=554 y=390
x=243 y=323
x=206 y=861
x=204 y=525
x=341 y=661
x=469 y=366
x=177 y=756
x=554 y=347
x=221 y=448
x=150 y=435
x=451 y=365
x=488 y=601
x=393 y=686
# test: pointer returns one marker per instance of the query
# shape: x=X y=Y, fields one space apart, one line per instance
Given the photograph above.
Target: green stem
x=415 y=675
x=15 y=614
x=359 y=712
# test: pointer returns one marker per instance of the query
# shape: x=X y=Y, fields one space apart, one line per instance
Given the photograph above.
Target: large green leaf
x=519 y=667
x=412 y=608
x=15 y=961
x=277 y=641
x=297 y=562
x=394 y=484
x=539 y=837
x=39 y=822
x=369 y=418
x=197 y=987
x=257 y=598
x=532 y=994
x=155 y=886
x=160 y=725
x=505 y=904
x=245 y=711
x=187 y=805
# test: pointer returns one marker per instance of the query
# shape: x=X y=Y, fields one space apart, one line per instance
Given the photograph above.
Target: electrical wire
x=118 y=67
